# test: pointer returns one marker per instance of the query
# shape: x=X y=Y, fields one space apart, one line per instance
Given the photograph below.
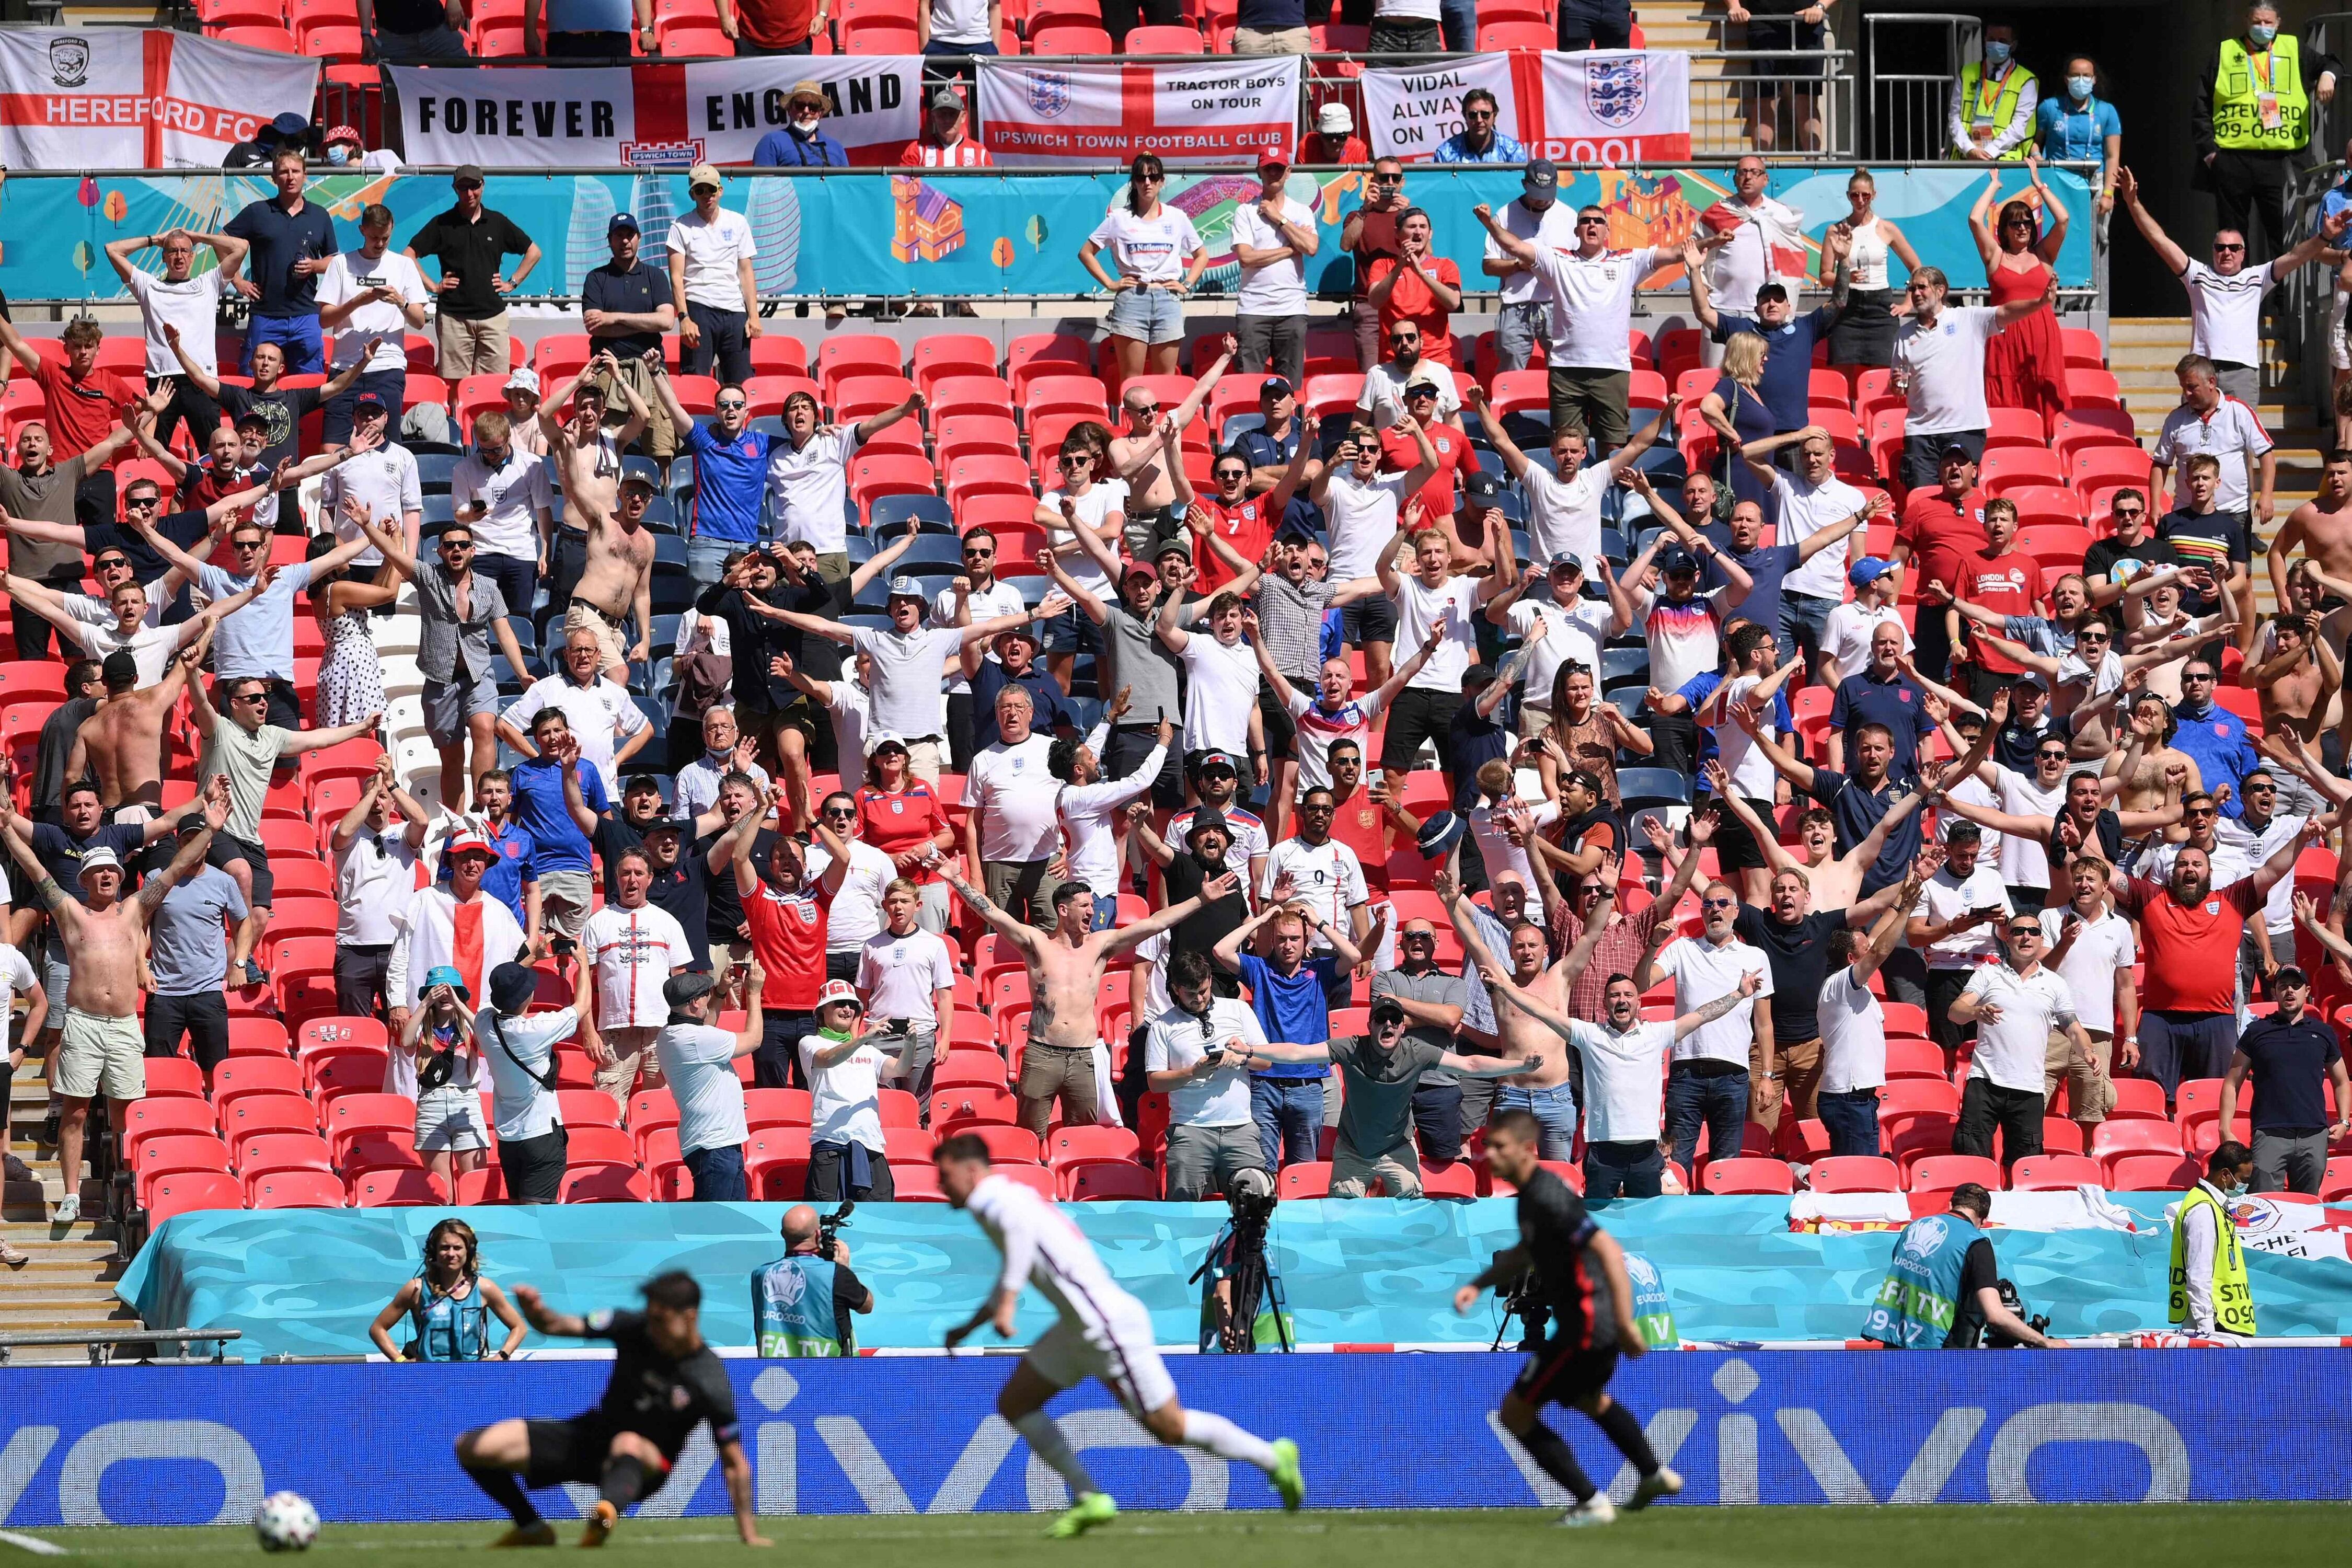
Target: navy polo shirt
x=2289 y=1073
x=639 y=291
x=1260 y=450
x=1855 y=811
x=729 y=479
x=278 y=241
x=1765 y=565
x=1786 y=386
x=1051 y=713
x=1862 y=699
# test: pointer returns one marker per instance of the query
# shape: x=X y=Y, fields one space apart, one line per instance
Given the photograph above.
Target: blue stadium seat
x=888 y=516
x=669 y=554
x=432 y=470
x=1652 y=785
x=1624 y=664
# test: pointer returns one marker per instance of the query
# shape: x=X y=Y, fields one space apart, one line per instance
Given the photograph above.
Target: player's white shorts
x=2339 y=354
x=1119 y=1349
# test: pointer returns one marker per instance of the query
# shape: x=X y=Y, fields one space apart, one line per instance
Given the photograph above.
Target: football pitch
x=2155 y=1535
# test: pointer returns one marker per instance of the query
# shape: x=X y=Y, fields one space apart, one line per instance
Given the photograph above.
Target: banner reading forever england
x=651 y=115
x=1597 y=106
x=111 y=98
x=1207 y=112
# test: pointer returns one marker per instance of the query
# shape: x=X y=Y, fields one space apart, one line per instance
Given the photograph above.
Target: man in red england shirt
x=2188 y=936
x=1245 y=521
x=1400 y=453
x=84 y=403
x=787 y=919
x=2006 y=581
x=946 y=141
x=1360 y=818
x=771 y=27
x=1940 y=529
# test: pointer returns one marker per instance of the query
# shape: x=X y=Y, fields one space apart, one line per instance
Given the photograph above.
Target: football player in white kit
x=1104 y=1334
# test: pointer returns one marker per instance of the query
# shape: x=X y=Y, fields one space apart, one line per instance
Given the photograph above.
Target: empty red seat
x=260 y=1151
x=1068 y=1144
x=587 y=1108
x=607 y=1182
x=776 y=1108
x=1856 y=1173
x=2054 y=1173
x=2152 y=1173
x=351 y=1116
x=403 y=1188
x=174 y=1076
x=775 y=1163
x=1941 y=1172
x=294 y=1189
x=1744 y=1174
x=1307 y=1179
x=240 y=1076
x=952 y=1110
x=1094 y=1180
x=2113 y=1138
x=187 y=1192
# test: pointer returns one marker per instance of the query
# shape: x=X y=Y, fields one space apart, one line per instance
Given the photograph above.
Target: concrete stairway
x=68 y=1285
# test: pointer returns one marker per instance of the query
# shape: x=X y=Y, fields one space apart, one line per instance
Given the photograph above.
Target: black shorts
x=1735 y=848
x=1560 y=1374
x=1280 y=731
x=576 y=1450
x=1372 y=618
x=1124 y=752
x=227 y=847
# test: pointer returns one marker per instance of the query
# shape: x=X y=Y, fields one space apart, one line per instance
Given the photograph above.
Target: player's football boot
x=1286 y=1476
x=1599 y=1511
x=1663 y=1481
x=601 y=1516
x=539 y=1532
x=1094 y=1509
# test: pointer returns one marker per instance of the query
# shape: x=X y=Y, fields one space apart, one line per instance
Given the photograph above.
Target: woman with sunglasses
x=1854 y=268
x=2025 y=365
x=351 y=677
x=1160 y=256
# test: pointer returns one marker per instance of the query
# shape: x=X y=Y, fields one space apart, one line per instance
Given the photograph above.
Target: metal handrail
x=102 y=1345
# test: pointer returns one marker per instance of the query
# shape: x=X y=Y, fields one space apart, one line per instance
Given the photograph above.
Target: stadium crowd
x=677 y=768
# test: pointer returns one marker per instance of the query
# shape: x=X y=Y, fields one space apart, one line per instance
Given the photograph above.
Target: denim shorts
x=1146 y=315
x=1072 y=631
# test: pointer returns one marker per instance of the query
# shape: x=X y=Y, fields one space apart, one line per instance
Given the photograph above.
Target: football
x=285 y=1521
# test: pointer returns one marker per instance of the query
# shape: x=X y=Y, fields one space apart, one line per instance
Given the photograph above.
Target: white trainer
x=1665 y=1481
x=68 y=1209
x=1600 y=1510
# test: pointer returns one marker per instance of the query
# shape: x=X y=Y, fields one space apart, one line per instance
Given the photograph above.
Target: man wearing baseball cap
x=369 y=298
x=627 y=308
x=698 y=1061
x=710 y=253
x=1524 y=319
x=1846 y=635
x=1015 y=664
x=844 y=1069
x=1272 y=236
x=379 y=475
x=469 y=241
x=947 y=141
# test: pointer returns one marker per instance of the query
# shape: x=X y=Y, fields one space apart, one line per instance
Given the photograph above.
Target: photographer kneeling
x=1943 y=1291
x=801 y=1304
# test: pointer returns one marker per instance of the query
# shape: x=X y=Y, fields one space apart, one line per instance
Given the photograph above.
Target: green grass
x=1668 y=1537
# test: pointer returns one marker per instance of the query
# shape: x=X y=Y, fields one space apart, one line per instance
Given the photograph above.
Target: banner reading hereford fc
x=650 y=115
x=1206 y=111
x=111 y=98
x=1595 y=106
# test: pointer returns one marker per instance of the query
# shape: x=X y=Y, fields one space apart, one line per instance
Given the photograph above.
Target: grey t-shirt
x=247 y=758
x=1377 y=1114
x=1142 y=663
x=44 y=497
x=1437 y=988
x=187 y=944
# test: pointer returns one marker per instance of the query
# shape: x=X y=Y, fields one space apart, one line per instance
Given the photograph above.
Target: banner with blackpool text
x=646 y=115
x=1189 y=112
x=116 y=98
x=1605 y=106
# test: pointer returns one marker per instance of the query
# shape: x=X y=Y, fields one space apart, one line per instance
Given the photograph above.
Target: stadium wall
x=1371 y=1271
x=201 y=1445
x=970 y=234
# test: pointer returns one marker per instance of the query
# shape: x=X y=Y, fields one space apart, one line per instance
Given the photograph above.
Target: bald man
x=801 y=1304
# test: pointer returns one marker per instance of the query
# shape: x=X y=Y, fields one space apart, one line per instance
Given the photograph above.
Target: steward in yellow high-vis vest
x=2209 y=1293
x=1994 y=101
x=2256 y=99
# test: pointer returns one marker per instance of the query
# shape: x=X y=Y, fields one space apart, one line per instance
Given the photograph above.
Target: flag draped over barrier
x=648 y=115
x=113 y=97
x=1597 y=106
x=1188 y=111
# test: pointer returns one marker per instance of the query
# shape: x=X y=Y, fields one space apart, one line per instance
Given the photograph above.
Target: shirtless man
x=1836 y=879
x=1065 y=980
x=122 y=743
x=2322 y=526
x=587 y=461
x=2150 y=765
x=1138 y=457
x=2295 y=682
x=103 y=1048
x=1545 y=1091
x=617 y=581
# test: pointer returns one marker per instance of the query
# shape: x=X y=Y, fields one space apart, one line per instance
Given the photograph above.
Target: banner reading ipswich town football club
x=116 y=98
x=650 y=114
x=1189 y=112
x=1593 y=106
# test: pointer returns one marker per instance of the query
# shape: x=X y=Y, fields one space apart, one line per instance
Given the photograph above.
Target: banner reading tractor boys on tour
x=1595 y=106
x=648 y=115
x=1192 y=111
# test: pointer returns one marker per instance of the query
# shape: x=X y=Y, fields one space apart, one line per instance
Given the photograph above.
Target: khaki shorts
x=472 y=348
x=609 y=646
x=100 y=1056
x=1397 y=1170
x=633 y=1057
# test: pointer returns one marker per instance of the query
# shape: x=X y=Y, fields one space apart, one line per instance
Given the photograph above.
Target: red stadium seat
x=899 y=1108
x=684 y=40
x=1067 y=1145
x=857 y=353
x=241 y=1076
x=404 y=1188
x=587 y=1108
x=1856 y=1173
x=775 y=1163
x=591 y=1144
x=2006 y=469
x=188 y=1191
x=2137 y=1099
x=297 y=1189
x=353 y=1116
x=2054 y=1173
x=1168 y=40
x=1743 y=1174
x=330 y=1074
x=2335 y=1181
x=609 y=1183
x=153 y=1117
x=277 y=40
x=1453 y=1180
x=950 y=353
x=986 y=475
x=1307 y=1179
x=1070 y=39
x=2082 y=349
x=1016 y=1145
x=172 y=1154
x=174 y=1076
x=1096 y=1181
x=2087 y=388
x=2114 y=1139
x=2155 y=1173
x=261 y=1152
x=258 y=1037
x=917 y=1182
x=486 y=1185
x=1037 y=354
x=776 y=1108
x=1942 y=1173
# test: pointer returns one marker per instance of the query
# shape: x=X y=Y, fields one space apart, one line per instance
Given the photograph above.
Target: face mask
x=2262 y=33
x=338 y=154
x=1997 y=53
x=2079 y=86
x=2234 y=1190
x=834 y=1035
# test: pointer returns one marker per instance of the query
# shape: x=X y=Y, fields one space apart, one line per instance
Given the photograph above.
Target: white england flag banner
x=514 y=119
x=1205 y=111
x=1614 y=106
x=112 y=98
x=1409 y=110
x=872 y=104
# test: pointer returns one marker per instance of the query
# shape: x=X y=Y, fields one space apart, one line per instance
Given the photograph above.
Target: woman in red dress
x=2025 y=367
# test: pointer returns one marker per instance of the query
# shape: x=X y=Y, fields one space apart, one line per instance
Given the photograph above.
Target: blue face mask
x=2079 y=88
x=338 y=154
x=2260 y=34
x=1996 y=53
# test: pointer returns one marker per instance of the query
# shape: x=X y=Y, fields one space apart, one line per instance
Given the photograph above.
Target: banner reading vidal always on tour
x=938 y=233
x=1192 y=112
x=649 y=115
x=1595 y=106
x=116 y=98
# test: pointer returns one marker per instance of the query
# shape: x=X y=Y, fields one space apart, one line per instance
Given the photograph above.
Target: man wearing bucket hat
x=698 y=1059
x=519 y=1045
x=844 y=1070
x=456 y=924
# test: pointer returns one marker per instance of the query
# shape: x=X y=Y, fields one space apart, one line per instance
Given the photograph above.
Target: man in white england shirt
x=2015 y=1006
x=369 y=299
x=1707 y=1075
x=2093 y=950
x=907 y=977
x=1431 y=602
x=1013 y=832
x=1272 y=238
x=1564 y=501
x=1953 y=923
x=1361 y=507
x=627 y=950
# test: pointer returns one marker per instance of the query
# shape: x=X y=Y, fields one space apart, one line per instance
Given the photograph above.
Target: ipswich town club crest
x=69 y=61
x=1049 y=94
x=1617 y=91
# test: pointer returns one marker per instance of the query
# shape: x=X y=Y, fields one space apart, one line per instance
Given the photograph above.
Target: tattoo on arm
x=51 y=894
x=1720 y=1007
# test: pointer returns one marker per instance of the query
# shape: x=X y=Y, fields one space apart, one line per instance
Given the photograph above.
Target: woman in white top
x=1160 y=257
x=1854 y=268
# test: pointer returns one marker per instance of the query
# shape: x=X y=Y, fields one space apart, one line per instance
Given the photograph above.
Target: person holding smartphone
x=1956 y=923
x=1196 y=1055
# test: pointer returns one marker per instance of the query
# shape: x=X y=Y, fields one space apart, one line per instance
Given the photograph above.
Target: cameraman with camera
x=1944 y=1290
x=801 y=1304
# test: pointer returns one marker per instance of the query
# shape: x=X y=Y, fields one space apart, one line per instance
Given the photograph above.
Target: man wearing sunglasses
x=2015 y=1006
x=2110 y=565
x=986 y=596
x=1369 y=236
x=39 y=493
